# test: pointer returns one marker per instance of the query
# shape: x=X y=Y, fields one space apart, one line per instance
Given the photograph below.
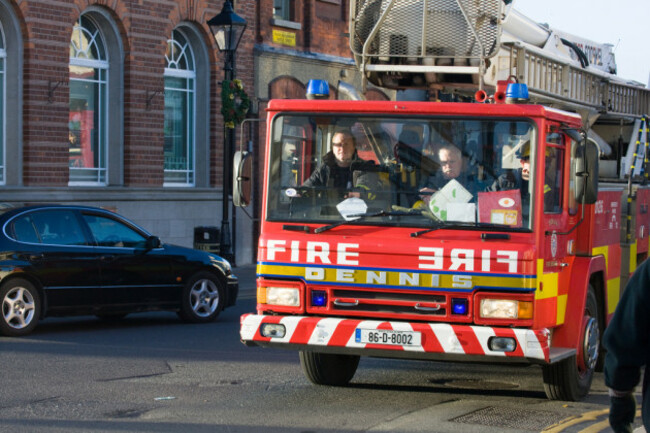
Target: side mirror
x=153 y=242
x=242 y=178
x=587 y=172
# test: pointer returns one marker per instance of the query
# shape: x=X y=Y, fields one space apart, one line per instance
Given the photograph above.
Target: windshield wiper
x=438 y=224
x=361 y=217
x=460 y=224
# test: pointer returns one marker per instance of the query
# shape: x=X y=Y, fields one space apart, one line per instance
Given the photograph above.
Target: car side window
x=55 y=227
x=23 y=230
x=109 y=232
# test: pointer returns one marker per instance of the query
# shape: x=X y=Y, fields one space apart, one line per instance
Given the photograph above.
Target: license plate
x=382 y=336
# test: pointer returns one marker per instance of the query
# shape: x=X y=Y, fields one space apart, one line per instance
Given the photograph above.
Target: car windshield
x=396 y=171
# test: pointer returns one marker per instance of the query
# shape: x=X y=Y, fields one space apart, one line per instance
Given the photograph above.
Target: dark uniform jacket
x=330 y=175
x=512 y=180
x=438 y=181
x=627 y=339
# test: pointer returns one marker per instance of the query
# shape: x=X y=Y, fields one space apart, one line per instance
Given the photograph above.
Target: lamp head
x=227 y=28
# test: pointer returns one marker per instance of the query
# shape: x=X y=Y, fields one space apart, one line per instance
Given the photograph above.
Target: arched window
x=180 y=90
x=88 y=104
x=11 y=96
x=3 y=99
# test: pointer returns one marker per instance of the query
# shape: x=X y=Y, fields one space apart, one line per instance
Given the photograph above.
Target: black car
x=73 y=260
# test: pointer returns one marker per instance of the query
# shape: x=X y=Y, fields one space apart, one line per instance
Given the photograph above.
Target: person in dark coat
x=627 y=340
x=337 y=171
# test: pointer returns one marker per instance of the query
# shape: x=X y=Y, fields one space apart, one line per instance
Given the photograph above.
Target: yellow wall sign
x=284 y=38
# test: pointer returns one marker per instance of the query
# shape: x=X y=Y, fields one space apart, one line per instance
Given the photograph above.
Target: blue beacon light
x=318 y=89
x=459 y=306
x=318 y=298
x=516 y=93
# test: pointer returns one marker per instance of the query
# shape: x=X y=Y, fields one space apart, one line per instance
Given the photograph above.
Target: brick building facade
x=116 y=103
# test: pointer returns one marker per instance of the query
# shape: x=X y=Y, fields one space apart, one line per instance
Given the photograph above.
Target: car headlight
x=506 y=309
x=221 y=261
x=286 y=296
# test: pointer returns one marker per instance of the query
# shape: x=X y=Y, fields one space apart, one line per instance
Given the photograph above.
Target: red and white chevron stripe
x=435 y=337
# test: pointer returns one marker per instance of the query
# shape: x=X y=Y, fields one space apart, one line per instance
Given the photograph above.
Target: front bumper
x=439 y=341
x=232 y=288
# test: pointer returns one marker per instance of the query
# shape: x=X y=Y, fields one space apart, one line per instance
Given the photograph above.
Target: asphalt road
x=152 y=373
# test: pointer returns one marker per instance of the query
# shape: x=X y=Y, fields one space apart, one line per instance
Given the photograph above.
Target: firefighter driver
x=342 y=171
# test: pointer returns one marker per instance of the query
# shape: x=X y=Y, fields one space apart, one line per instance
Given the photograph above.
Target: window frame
x=190 y=96
x=102 y=68
x=286 y=5
x=3 y=106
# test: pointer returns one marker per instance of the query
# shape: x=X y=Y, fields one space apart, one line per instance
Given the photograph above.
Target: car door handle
x=35 y=256
x=107 y=258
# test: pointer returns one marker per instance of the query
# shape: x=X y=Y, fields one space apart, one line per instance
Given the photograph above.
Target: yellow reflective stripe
x=406 y=278
x=547 y=284
x=561 y=308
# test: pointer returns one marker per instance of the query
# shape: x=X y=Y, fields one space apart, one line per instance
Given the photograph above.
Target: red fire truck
x=519 y=259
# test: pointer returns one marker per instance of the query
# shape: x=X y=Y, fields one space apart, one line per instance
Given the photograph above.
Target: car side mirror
x=153 y=242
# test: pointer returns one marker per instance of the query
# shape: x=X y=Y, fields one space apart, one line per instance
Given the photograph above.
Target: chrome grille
x=390 y=304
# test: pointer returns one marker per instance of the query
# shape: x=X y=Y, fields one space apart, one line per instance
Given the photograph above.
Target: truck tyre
x=570 y=379
x=327 y=368
x=20 y=305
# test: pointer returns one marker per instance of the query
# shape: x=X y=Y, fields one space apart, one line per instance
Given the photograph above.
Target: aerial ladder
x=465 y=48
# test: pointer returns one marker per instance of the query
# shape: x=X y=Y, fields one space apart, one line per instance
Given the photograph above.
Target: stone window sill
x=286 y=24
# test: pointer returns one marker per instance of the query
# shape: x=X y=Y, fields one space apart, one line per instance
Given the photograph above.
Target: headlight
x=227 y=267
x=273 y=330
x=506 y=309
x=286 y=296
x=223 y=262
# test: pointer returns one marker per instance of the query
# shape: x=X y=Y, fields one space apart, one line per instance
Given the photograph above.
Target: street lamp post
x=227 y=28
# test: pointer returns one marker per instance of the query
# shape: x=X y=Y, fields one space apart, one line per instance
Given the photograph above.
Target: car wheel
x=203 y=298
x=21 y=304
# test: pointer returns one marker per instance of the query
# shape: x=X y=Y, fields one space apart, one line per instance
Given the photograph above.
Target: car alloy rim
x=18 y=308
x=204 y=298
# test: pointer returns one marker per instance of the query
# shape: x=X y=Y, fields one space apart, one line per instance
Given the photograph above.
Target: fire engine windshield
x=406 y=172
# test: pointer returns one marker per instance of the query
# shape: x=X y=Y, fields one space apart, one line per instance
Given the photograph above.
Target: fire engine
x=521 y=258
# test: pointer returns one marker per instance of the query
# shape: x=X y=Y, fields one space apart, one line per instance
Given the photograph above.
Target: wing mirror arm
x=152 y=243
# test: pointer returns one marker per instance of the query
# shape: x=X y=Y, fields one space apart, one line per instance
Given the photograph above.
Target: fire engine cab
x=498 y=230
